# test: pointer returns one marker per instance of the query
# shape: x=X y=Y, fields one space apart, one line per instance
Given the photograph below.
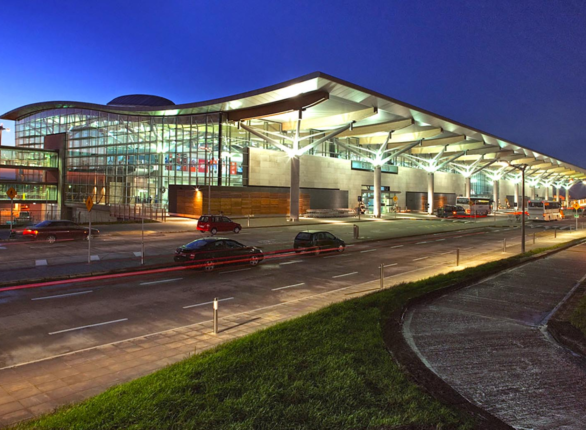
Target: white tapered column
x=294 y=194
x=556 y=193
x=546 y=192
x=377 y=193
x=495 y=194
x=516 y=195
x=430 y=192
x=468 y=187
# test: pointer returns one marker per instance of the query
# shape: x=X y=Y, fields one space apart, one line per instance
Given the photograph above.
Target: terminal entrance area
x=387 y=203
x=417 y=201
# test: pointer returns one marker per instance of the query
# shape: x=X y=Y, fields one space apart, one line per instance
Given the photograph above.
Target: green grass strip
x=326 y=370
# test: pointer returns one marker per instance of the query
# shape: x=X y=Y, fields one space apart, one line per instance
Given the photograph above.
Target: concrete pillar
x=294 y=194
x=517 y=195
x=546 y=192
x=377 y=194
x=556 y=193
x=430 y=192
x=468 y=186
x=495 y=195
x=532 y=193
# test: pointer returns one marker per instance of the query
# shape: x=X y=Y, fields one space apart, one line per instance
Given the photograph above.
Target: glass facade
x=129 y=159
x=30 y=192
x=24 y=158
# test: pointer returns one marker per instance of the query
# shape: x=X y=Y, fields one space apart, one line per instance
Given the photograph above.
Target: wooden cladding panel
x=237 y=203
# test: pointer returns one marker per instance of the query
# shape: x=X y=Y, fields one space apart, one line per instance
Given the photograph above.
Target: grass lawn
x=578 y=315
x=326 y=370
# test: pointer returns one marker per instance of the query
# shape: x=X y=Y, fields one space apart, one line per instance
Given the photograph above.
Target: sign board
x=395 y=198
x=89 y=204
x=359 y=198
x=576 y=216
x=576 y=205
x=11 y=193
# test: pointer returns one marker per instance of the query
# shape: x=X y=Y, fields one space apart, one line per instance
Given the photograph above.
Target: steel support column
x=546 y=192
x=495 y=194
x=294 y=191
x=516 y=195
x=556 y=193
x=468 y=186
x=430 y=192
x=377 y=193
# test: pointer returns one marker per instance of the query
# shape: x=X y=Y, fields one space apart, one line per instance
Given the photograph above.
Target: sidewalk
x=31 y=389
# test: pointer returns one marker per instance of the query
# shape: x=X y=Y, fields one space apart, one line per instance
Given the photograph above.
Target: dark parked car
x=52 y=231
x=317 y=241
x=448 y=211
x=218 y=251
x=216 y=223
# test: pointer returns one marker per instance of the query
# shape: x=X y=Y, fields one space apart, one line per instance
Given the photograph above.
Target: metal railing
x=154 y=212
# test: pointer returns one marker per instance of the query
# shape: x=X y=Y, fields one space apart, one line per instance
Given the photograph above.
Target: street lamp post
x=522 y=169
x=2 y=128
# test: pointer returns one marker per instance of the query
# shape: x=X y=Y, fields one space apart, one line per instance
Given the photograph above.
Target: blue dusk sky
x=515 y=69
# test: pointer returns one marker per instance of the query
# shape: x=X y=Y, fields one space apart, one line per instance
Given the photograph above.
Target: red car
x=216 y=223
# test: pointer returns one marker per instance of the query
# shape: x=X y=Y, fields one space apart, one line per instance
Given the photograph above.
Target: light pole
x=522 y=169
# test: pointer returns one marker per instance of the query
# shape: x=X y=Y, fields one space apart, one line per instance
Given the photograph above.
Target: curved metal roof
x=341 y=98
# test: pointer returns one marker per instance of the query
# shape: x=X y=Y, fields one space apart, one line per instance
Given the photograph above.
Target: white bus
x=544 y=210
x=473 y=206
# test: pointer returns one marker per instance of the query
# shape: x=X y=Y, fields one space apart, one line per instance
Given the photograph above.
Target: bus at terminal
x=544 y=210
x=473 y=206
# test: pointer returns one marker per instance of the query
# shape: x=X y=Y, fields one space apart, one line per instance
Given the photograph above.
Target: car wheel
x=236 y=230
x=341 y=248
x=213 y=231
x=254 y=260
x=209 y=266
x=51 y=238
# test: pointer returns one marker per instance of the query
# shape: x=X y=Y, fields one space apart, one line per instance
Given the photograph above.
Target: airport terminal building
x=311 y=143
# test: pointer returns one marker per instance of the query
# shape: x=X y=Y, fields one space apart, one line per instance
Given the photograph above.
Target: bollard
x=382 y=276
x=248 y=220
x=555 y=233
x=215 y=315
x=457 y=257
x=356 y=231
x=533 y=238
x=505 y=245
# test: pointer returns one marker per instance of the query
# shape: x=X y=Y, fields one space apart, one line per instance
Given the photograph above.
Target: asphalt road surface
x=42 y=322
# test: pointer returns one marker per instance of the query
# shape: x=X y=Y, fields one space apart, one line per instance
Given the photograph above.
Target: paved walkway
x=489 y=342
x=35 y=388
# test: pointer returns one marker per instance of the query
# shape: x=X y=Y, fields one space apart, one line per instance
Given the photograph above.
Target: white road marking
x=336 y=256
x=389 y=265
x=95 y=258
x=237 y=270
x=345 y=274
x=494 y=231
x=352 y=244
x=419 y=243
x=160 y=282
x=207 y=303
x=288 y=286
x=137 y=253
x=369 y=250
x=422 y=258
x=40 y=262
x=439 y=240
x=397 y=246
x=88 y=326
x=63 y=295
x=291 y=262
x=3 y=247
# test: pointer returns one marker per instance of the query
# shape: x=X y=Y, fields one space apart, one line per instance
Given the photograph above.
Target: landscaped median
x=327 y=370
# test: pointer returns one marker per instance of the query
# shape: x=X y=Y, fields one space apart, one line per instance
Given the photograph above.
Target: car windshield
x=304 y=236
x=196 y=244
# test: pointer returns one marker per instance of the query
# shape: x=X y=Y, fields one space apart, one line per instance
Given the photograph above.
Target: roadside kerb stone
x=118 y=362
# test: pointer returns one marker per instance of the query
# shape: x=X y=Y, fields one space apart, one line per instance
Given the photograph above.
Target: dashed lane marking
x=160 y=282
x=369 y=250
x=89 y=326
x=422 y=258
x=345 y=274
x=289 y=286
x=290 y=262
x=397 y=246
x=40 y=262
x=63 y=295
x=237 y=270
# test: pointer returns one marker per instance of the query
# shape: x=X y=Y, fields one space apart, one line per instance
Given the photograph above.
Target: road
x=47 y=321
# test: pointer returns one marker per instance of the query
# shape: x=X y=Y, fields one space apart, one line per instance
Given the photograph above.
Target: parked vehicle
x=52 y=231
x=218 y=251
x=473 y=207
x=544 y=210
x=448 y=211
x=316 y=241
x=216 y=223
